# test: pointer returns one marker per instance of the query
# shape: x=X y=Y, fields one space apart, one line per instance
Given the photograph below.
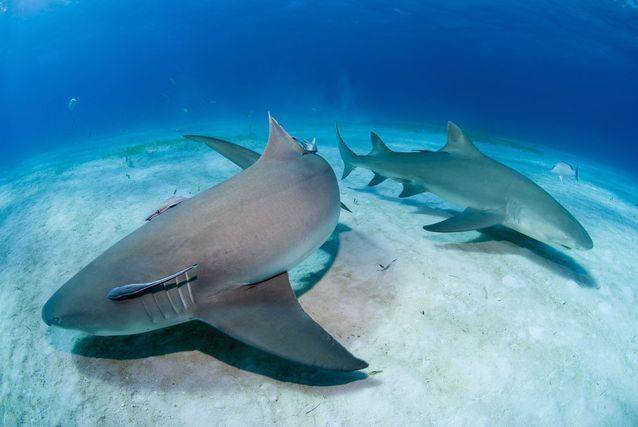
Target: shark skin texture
x=221 y=257
x=490 y=192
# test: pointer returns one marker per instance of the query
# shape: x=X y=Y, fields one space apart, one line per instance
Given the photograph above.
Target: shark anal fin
x=469 y=219
x=241 y=156
x=135 y=289
x=268 y=316
x=376 y=180
x=411 y=189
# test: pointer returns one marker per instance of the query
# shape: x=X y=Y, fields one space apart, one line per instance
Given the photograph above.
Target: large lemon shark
x=221 y=257
x=489 y=192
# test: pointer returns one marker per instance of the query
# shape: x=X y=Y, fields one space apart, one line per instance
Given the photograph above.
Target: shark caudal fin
x=347 y=155
x=268 y=316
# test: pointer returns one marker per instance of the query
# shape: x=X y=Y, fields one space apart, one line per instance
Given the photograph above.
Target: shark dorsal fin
x=378 y=146
x=280 y=145
x=458 y=143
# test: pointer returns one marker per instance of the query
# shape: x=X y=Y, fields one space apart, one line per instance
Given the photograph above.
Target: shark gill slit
x=170 y=300
x=179 y=291
x=148 y=313
x=190 y=291
x=158 y=306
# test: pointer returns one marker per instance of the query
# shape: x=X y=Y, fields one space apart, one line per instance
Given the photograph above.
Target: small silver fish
x=564 y=169
x=73 y=102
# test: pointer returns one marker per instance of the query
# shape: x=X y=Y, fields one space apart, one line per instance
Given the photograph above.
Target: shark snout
x=60 y=311
x=49 y=315
x=578 y=239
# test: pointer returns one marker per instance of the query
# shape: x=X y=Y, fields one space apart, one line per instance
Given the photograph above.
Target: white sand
x=480 y=333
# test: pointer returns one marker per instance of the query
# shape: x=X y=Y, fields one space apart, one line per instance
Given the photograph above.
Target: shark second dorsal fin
x=458 y=142
x=281 y=145
x=378 y=146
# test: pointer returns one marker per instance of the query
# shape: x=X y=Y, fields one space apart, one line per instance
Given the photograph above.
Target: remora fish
x=490 y=192
x=221 y=257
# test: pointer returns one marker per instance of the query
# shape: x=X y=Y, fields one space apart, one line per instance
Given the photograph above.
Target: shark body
x=490 y=192
x=220 y=257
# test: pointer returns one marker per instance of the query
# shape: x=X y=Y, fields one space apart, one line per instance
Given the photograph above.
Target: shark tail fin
x=347 y=155
x=268 y=316
x=576 y=176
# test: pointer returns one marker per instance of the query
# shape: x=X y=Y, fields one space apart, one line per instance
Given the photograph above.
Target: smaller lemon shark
x=490 y=192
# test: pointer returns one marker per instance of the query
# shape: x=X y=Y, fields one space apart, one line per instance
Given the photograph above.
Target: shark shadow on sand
x=546 y=256
x=308 y=280
x=542 y=254
x=206 y=339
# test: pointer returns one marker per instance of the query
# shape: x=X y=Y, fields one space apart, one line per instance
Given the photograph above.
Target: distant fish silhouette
x=73 y=102
x=564 y=169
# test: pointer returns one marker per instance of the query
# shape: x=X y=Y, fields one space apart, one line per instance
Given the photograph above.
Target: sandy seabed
x=474 y=328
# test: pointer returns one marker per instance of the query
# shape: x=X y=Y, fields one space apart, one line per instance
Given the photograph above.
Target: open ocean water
x=476 y=328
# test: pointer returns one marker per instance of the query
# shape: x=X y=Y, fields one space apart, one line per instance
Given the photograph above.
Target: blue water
x=556 y=73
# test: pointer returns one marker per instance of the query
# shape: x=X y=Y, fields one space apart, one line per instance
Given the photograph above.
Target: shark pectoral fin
x=411 y=189
x=242 y=157
x=136 y=289
x=376 y=180
x=268 y=316
x=469 y=219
